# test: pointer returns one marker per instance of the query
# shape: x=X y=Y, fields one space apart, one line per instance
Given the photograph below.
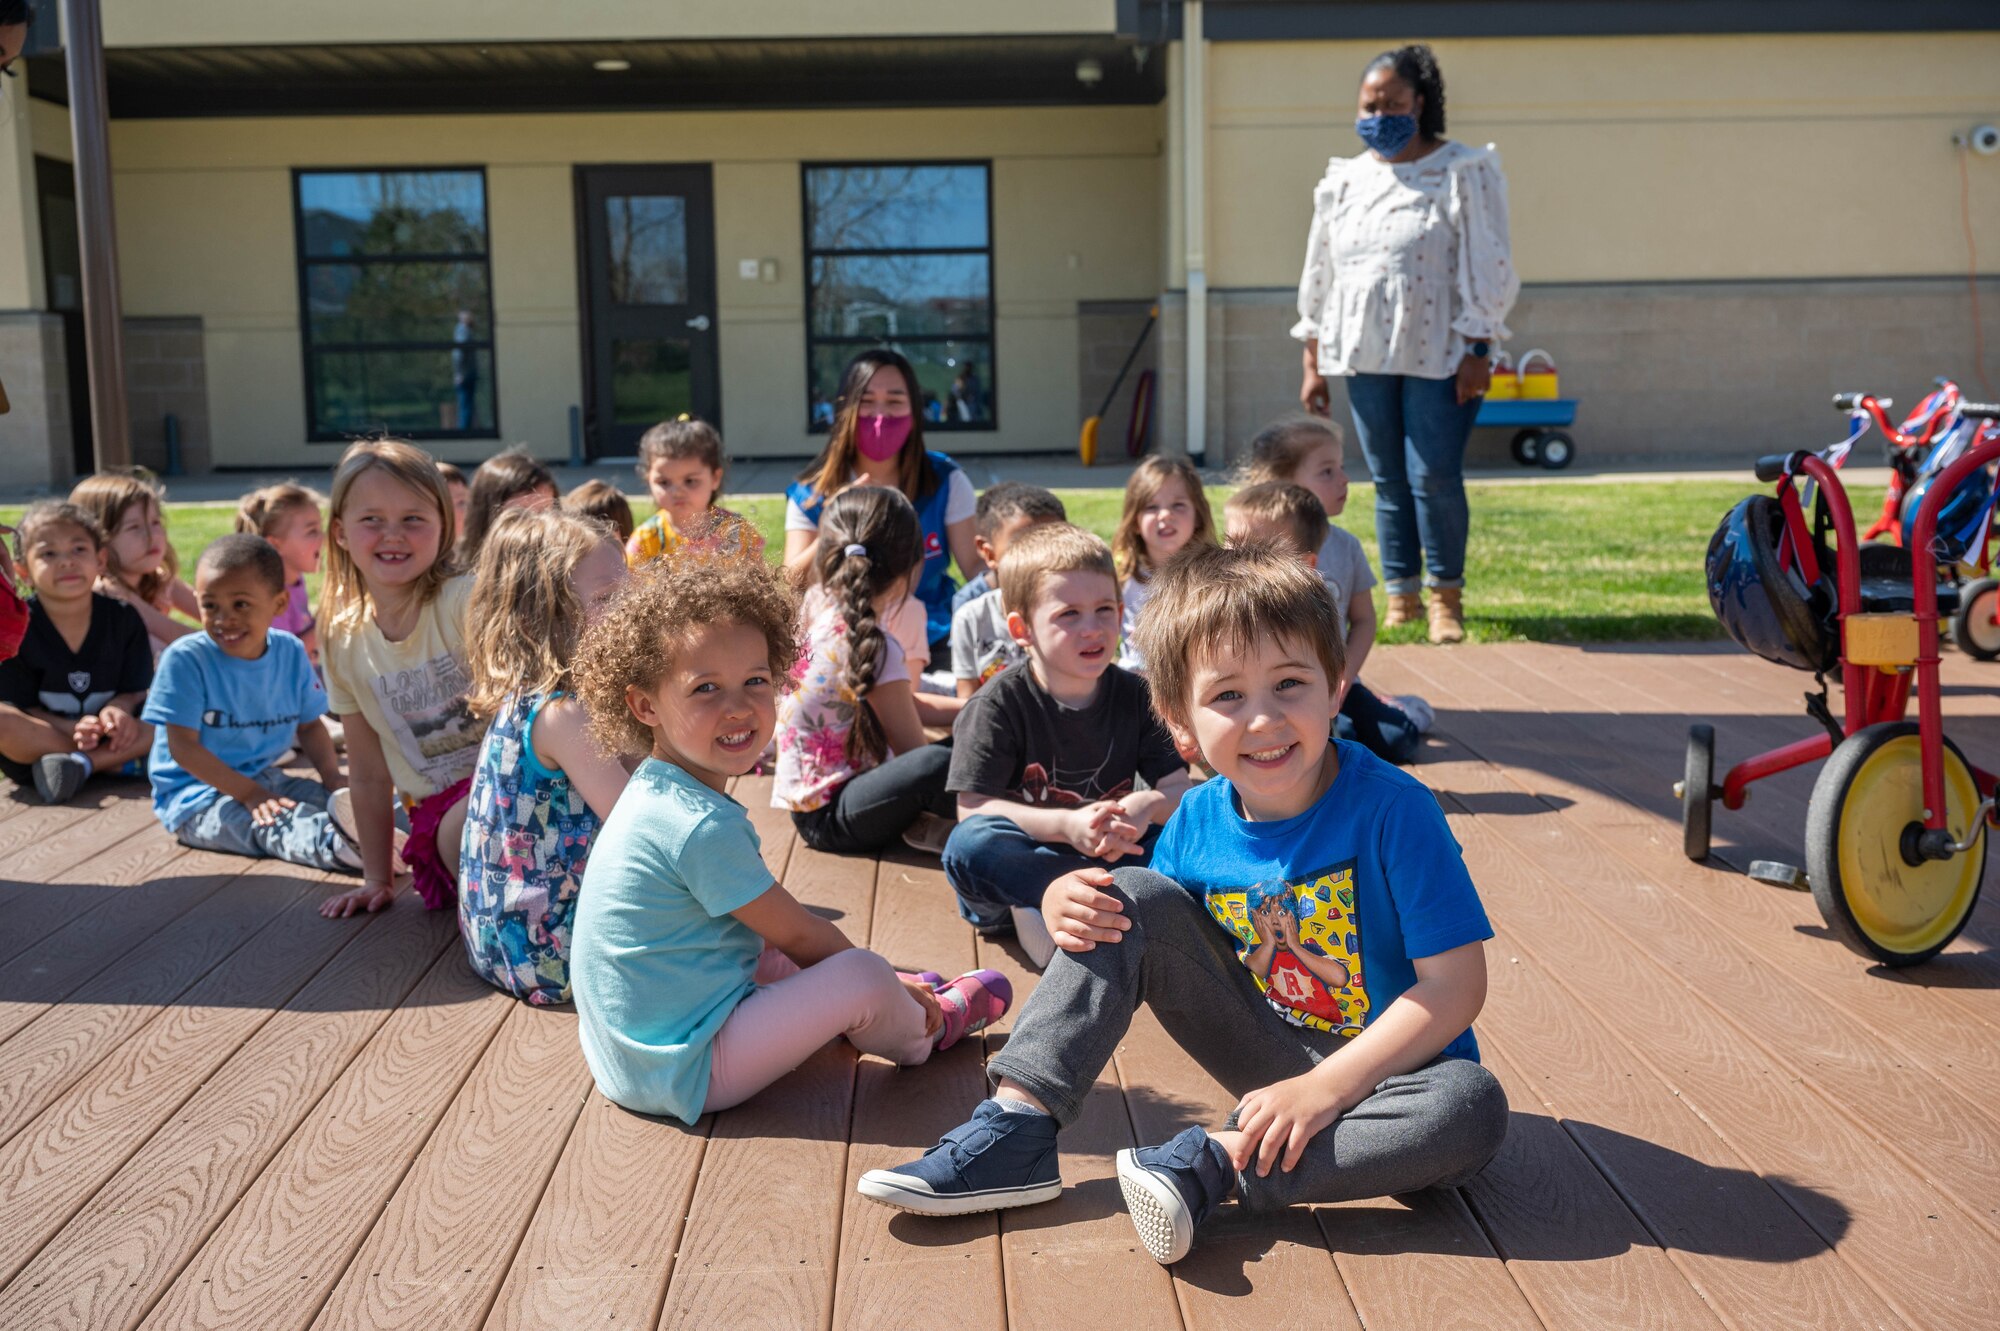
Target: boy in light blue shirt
x=226 y=705
x=1307 y=932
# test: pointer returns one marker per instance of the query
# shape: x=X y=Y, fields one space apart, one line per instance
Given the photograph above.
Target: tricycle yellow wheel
x=1876 y=893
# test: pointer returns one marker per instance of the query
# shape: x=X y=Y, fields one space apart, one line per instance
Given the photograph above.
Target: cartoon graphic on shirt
x=1040 y=788
x=1302 y=942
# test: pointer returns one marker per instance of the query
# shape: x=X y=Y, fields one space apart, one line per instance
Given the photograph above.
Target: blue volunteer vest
x=935 y=587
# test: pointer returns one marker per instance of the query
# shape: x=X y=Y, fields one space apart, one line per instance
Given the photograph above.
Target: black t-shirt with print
x=1014 y=742
x=115 y=658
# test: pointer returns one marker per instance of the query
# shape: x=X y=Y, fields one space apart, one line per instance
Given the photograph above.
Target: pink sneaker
x=971 y=1003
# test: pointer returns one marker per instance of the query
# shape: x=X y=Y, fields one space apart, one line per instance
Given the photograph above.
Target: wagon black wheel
x=1698 y=792
x=1527 y=447
x=1558 y=450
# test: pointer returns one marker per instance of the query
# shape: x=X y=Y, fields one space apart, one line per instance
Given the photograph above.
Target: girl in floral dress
x=541 y=788
x=854 y=766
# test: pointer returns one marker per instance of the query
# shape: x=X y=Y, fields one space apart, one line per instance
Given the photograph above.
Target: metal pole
x=103 y=314
x=1194 y=204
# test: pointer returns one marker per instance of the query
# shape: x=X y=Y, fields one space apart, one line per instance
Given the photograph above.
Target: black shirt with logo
x=46 y=674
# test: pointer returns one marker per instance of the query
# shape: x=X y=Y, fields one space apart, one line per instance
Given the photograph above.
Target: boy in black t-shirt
x=69 y=701
x=1045 y=756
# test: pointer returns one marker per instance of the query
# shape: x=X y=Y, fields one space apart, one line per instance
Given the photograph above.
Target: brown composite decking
x=219 y=1110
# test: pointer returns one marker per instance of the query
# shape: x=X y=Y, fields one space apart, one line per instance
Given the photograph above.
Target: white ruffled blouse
x=1407 y=262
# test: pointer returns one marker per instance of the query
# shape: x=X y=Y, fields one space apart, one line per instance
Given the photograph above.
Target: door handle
x=699 y=323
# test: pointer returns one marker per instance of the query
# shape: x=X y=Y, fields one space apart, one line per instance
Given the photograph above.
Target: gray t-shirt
x=1344 y=565
x=981 y=647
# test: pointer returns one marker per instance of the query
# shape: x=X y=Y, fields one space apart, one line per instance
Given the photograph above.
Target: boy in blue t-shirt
x=226 y=705
x=1307 y=931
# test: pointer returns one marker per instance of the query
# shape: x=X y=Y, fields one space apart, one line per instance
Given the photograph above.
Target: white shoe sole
x=1157 y=1211
x=879 y=1185
x=340 y=809
x=1031 y=931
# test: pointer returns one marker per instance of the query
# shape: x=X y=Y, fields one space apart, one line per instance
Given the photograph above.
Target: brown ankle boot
x=1447 y=615
x=1404 y=608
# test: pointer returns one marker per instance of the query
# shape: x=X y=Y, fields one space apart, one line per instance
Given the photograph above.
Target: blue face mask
x=1387 y=135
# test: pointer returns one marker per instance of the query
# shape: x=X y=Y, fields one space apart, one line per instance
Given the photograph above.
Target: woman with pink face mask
x=878 y=439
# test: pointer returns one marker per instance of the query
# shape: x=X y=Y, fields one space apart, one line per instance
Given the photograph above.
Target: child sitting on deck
x=288 y=516
x=699 y=980
x=70 y=698
x=542 y=787
x=1165 y=509
x=1308 y=933
x=140 y=566
x=227 y=703
x=1044 y=758
x=981 y=646
x=682 y=464
x=1292 y=518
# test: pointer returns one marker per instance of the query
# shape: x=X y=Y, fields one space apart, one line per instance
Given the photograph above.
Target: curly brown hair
x=635 y=641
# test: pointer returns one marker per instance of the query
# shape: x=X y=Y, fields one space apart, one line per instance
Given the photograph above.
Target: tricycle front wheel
x=1875 y=892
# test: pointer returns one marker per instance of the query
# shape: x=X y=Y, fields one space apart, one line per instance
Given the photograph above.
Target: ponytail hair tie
x=855 y=551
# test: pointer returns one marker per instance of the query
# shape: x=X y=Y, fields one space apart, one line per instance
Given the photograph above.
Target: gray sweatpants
x=1436 y=1126
x=304 y=835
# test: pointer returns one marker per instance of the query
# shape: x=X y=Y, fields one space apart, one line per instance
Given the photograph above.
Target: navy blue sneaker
x=1169 y=1190
x=1000 y=1158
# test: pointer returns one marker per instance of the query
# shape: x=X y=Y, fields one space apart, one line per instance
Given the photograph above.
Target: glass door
x=649 y=301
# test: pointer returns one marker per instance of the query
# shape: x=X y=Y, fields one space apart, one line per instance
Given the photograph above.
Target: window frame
x=304 y=263
x=992 y=335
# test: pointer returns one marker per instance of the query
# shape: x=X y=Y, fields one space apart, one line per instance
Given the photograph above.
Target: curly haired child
x=699 y=979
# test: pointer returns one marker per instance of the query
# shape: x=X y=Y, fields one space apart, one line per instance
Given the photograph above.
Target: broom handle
x=1130 y=356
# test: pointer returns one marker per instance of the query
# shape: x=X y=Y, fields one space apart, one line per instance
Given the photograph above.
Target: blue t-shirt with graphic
x=247 y=713
x=1328 y=908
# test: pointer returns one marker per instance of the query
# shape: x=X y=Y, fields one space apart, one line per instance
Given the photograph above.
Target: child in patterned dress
x=681 y=463
x=541 y=787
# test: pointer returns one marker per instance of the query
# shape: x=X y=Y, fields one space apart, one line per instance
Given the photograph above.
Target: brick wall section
x=34 y=435
x=1666 y=374
x=166 y=372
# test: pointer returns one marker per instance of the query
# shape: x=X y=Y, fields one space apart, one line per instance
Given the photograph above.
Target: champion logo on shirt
x=933 y=545
x=79 y=681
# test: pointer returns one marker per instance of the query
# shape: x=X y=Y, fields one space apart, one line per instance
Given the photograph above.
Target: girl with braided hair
x=854 y=766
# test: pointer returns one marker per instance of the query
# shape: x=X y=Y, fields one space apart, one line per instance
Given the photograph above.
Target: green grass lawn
x=1548 y=563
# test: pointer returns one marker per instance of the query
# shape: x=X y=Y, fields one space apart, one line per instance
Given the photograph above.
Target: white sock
x=1010 y=1105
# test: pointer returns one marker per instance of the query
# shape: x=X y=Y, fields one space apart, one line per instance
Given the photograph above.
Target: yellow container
x=1538 y=383
x=1505 y=387
x=1881 y=640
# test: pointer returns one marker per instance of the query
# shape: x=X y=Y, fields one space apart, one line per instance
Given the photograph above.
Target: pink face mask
x=881 y=437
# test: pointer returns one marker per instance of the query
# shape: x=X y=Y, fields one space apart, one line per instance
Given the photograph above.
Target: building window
x=396 y=291
x=900 y=254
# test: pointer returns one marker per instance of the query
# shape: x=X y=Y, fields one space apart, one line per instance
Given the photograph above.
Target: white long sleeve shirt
x=1407 y=262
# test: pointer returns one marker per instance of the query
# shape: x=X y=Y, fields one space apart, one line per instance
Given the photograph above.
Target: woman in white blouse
x=1407 y=284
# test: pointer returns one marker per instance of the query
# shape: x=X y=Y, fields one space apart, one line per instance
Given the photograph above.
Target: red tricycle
x=1896 y=826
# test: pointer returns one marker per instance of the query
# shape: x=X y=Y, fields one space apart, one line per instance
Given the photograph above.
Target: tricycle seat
x=1886 y=586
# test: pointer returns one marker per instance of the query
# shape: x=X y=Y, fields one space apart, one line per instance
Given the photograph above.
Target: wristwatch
x=1480 y=348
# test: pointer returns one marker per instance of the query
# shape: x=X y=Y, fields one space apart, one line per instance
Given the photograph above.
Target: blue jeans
x=304 y=835
x=1413 y=433
x=993 y=866
x=1383 y=730
x=468 y=403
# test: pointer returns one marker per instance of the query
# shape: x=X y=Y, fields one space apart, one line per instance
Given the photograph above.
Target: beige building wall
x=206 y=230
x=1713 y=232
x=287 y=22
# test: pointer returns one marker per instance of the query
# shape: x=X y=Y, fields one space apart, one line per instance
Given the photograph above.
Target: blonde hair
x=264 y=511
x=344 y=599
x=1128 y=549
x=600 y=499
x=1211 y=599
x=1044 y=551
x=1292 y=511
x=634 y=642
x=1281 y=448
x=108 y=496
x=524 y=620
